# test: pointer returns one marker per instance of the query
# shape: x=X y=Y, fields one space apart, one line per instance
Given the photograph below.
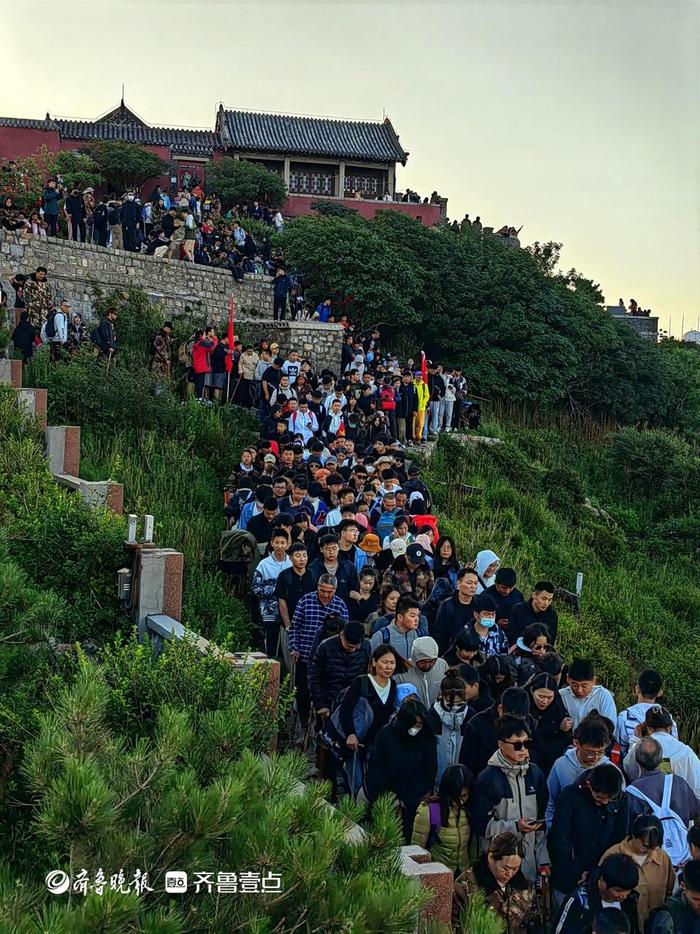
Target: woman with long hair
x=445 y=561
x=365 y=708
x=442 y=820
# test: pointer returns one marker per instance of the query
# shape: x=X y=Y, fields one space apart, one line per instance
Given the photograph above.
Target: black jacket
x=407 y=402
x=75 y=206
x=131 y=213
x=105 y=336
x=581 y=832
x=523 y=614
x=579 y=910
x=479 y=739
x=23 y=338
x=346 y=576
x=504 y=605
x=404 y=764
x=332 y=669
x=549 y=741
x=452 y=617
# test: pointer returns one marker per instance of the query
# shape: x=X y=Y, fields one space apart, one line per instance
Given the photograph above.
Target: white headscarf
x=483 y=560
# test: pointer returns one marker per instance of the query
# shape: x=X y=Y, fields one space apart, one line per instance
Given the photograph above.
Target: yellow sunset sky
x=579 y=120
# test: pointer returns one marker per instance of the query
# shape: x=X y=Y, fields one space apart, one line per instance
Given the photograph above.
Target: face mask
x=487 y=623
x=129 y=197
x=414 y=730
x=455 y=708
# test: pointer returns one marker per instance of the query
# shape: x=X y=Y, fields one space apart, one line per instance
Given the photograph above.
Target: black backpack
x=101 y=215
x=113 y=215
x=50 y=329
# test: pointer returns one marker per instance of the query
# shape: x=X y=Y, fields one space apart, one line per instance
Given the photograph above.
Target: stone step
x=105 y=493
x=11 y=373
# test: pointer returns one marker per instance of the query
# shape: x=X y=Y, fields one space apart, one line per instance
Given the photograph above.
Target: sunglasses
x=518 y=744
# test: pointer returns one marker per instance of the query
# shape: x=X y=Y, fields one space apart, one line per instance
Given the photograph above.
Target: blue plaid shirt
x=307 y=619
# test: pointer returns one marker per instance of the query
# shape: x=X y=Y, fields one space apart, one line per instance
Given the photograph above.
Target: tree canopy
x=521 y=331
x=237 y=181
x=125 y=165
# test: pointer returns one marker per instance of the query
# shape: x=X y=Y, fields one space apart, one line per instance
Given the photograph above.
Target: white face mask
x=414 y=730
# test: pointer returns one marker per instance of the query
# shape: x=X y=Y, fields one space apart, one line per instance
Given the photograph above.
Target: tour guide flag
x=424 y=367
x=229 y=355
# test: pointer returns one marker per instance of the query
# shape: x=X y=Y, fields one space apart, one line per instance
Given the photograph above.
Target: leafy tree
x=332 y=209
x=348 y=258
x=27 y=182
x=125 y=165
x=78 y=170
x=546 y=255
x=237 y=182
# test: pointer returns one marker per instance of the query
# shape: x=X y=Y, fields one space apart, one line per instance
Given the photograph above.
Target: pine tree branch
x=144 y=784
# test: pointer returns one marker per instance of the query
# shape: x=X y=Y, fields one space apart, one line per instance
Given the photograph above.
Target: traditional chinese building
x=318 y=157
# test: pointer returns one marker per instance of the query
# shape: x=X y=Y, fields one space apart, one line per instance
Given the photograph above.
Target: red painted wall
x=428 y=214
x=19 y=143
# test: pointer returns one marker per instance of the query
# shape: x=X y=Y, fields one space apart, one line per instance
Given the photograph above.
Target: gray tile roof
x=374 y=142
x=185 y=141
x=21 y=123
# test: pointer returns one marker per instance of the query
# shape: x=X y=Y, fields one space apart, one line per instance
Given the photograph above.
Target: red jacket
x=201 y=351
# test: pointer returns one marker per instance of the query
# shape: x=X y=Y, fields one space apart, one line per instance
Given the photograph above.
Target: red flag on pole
x=229 y=357
x=424 y=367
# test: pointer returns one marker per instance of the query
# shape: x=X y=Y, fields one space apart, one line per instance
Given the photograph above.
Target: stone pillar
x=63 y=450
x=33 y=401
x=159 y=585
x=416 y=863
x=11 y=372
x=286 y=171
x=271 y=668
x=391 y=180
x=341 y=179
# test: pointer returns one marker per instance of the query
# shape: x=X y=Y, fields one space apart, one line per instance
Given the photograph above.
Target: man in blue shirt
x=324 y=310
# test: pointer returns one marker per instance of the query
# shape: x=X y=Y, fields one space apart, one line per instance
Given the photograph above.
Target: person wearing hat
x=426 y=672
x=410 y=572
x=583 y=694
x=255 y=506
x=370 y=544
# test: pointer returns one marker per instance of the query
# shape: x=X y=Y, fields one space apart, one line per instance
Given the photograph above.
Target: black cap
x=415 y=553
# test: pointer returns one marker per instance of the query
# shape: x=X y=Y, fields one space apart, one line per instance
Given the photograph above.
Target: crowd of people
x=426 y=673
x=476 y=225
x=634 y=309
x=188 y=224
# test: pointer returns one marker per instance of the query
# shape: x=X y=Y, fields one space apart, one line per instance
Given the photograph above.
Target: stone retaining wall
x=320 y=343
x=172 y=283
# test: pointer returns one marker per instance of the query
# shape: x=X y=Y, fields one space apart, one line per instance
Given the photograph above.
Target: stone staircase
x=62 y=444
